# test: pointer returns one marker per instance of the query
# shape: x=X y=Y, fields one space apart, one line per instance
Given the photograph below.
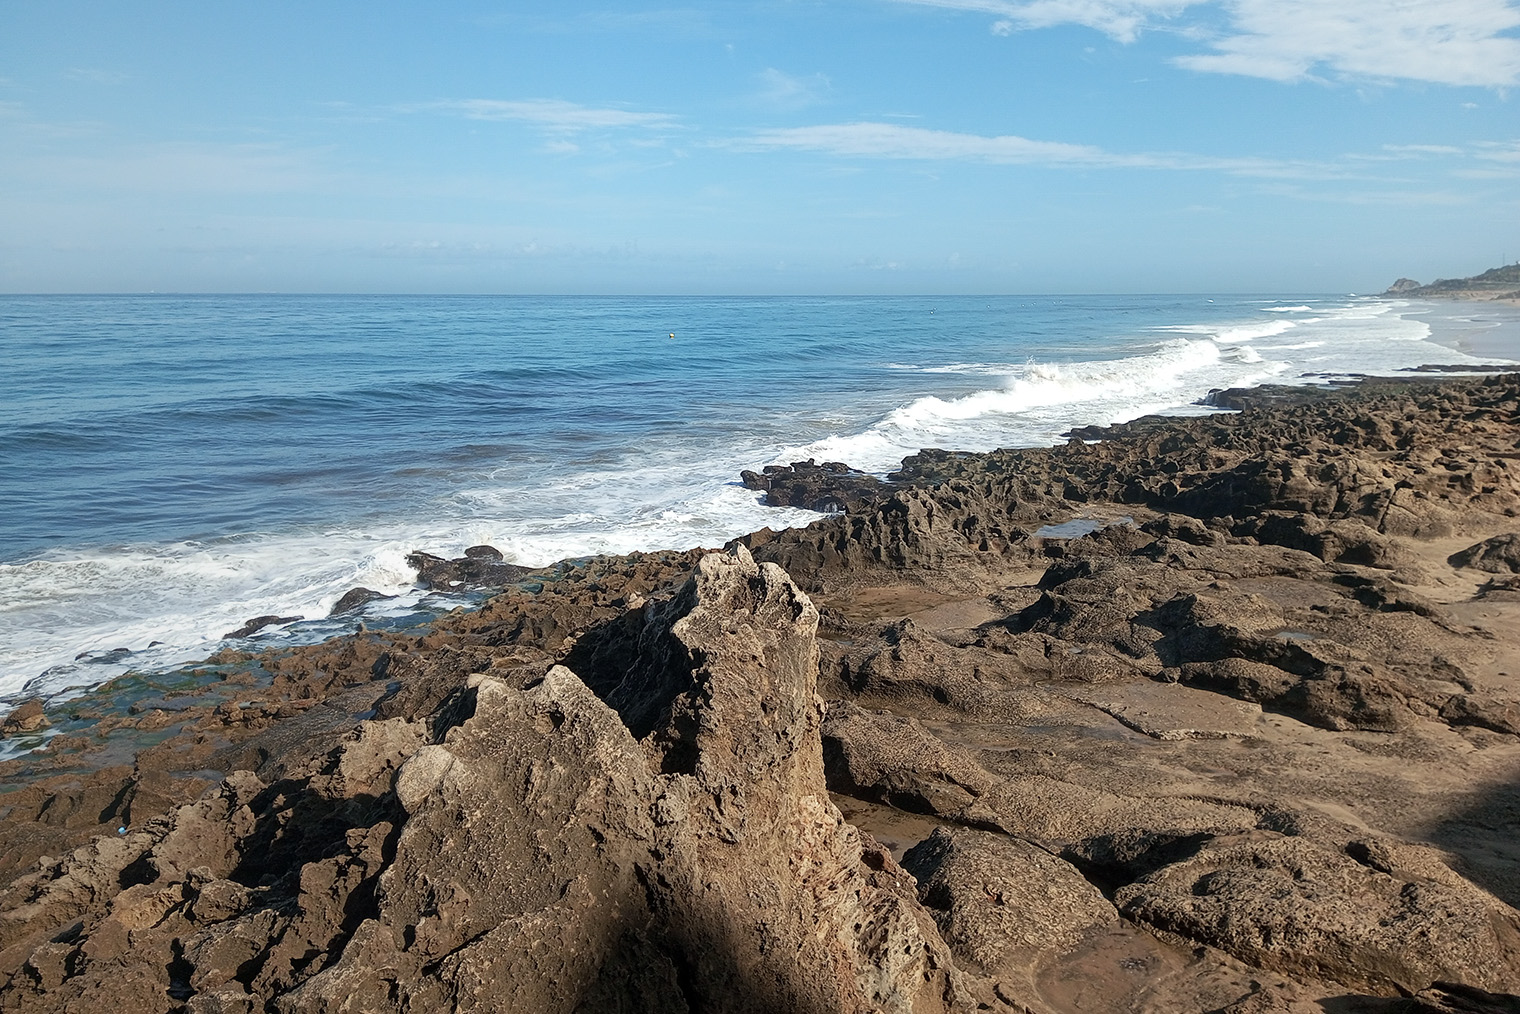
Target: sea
x=172 y=465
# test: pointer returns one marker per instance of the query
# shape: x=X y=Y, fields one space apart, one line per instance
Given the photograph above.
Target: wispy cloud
x=1415 y=150
x=874 y=140
x=1499 y=151
x=892 y=140
x=1454 y=42
x=781 y=90
x=665 y=22
x=1122 y=19
x=550 y=114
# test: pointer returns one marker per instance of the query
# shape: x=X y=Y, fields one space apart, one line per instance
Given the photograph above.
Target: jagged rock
x=1348 y=542
x=905 y=666
x=608 y=870
x=523 y=849
x=829 y=487
x=647 y=826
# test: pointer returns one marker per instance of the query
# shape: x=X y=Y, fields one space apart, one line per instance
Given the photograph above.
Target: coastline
x=1492 y=329
x=988 y=676
x=446 y=469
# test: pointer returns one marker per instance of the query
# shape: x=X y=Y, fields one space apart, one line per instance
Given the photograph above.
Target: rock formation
x=519 y=848
x=1216 y=714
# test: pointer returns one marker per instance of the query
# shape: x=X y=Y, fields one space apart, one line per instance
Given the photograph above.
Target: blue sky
x=857 y=146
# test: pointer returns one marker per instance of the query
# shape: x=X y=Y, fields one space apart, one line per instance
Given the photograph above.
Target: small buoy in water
x=672 y=334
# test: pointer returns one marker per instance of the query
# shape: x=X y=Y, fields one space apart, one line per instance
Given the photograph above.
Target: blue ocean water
x=172 y=465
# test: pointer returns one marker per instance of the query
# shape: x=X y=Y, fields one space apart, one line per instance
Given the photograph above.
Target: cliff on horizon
x=1495 y=283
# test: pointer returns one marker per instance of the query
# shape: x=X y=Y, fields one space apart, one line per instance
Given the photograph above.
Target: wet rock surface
x=829 y=487
x=1246 y=738
x=480 y=567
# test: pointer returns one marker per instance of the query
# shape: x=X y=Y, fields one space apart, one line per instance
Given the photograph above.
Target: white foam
x=1040 y=401
x=1230 y=333
x=676 y=496
x=1043 y=400
x=967 y=369
x=187 y=595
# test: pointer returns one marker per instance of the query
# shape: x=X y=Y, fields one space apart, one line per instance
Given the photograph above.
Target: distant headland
x=1502 y=283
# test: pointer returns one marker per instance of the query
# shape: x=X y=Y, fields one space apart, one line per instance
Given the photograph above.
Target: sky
x=854 y=146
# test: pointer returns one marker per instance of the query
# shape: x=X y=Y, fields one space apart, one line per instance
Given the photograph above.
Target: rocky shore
x=1208 y=714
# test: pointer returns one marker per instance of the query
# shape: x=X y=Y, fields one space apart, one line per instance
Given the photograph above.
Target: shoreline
x=150 y=585
x=1259 y=624
x=1475 y=341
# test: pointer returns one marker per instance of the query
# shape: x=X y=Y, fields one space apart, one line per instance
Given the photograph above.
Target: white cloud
x=891 y=140
x=1422 y=149
x=551 y=114
x=1453 y=42
x=1499 y=151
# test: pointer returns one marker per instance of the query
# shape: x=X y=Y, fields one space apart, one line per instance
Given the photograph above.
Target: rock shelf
x=1245 y=739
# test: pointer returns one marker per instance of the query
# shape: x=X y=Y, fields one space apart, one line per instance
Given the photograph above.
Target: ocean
x=173 y=465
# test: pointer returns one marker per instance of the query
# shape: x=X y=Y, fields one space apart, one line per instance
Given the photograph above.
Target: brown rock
x=1498 y=555
x=25 y=717
x=1391 y=919
x=1005 y=906
x=878 y=755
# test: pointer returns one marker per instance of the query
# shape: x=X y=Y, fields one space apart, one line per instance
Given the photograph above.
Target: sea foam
x=595 y=441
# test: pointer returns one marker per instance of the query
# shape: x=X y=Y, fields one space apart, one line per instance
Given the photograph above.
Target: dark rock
x=465 y=573
x=353 y=599
x=828 y=488
x=1455 y=998
x=1462 y=368
x=1501 y=589
x=257 y=624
